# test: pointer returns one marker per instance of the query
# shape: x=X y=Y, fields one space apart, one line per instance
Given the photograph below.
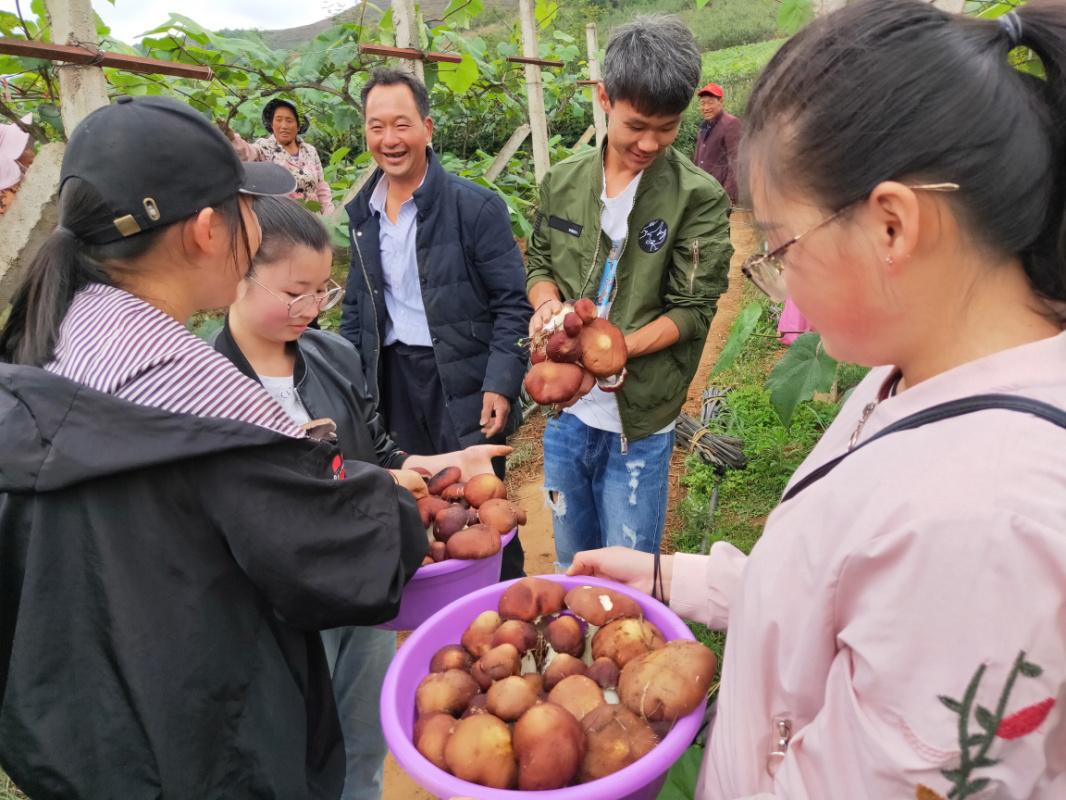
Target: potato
x=585 y=309
x=572 y=324
x=483 y=487
x=510 y=698
x=431 y=734
x=477 y=541
x=537 y=354
x=598 y=605
x=443 y=479
x=535 y=680
x=500 y=514
x=517 y=632
x=578 y=694
x=615 y=737
x=429 y=507
x=437 y=551
x=448 y=692
x=454 y=492
x=427 y=560
x=449 y=521
x=477 y=638
x=481 y=678
x=531 y=598
x=562 y=666
x=603 y=348
x=451 y=656
x=472 y=517
x=563 y=348
x=550 y=382
x=480 y=751
x=500 y=662
x=669 y=682
x=549 y=745
x=625 y=639
x=605 y=672
x=566 y=635
x=478 y=705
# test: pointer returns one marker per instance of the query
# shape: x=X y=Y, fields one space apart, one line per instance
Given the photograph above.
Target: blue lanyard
x=606 y=290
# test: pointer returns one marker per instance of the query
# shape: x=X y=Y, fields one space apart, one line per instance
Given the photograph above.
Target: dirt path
x=526 y=480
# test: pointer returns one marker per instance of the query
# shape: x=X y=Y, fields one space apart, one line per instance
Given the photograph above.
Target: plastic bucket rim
x=618 y=784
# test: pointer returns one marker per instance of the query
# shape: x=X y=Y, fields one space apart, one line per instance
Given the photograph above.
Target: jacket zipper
x=370 y=289
x=695 y=265
x=782 y=735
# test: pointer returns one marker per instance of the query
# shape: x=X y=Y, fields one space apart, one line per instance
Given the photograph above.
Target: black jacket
x=473 y=289
x=329 y=380
x=162 y=581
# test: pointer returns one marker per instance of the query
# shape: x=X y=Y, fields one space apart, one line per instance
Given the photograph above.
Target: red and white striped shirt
x=116 y=343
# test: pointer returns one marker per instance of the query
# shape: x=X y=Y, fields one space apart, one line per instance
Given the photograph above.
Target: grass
x=746 y=497
x=8 y=790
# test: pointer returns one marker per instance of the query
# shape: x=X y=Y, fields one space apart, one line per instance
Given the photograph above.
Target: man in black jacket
x=435 y=301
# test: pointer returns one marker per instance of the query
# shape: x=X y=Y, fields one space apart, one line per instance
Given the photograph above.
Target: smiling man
x=645 y=233
x=435 y=300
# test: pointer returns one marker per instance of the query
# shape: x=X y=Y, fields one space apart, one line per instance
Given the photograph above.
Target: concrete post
x=405 y=22
x=599 y=117
x=82 y=89
x=31 y=218
x=538 y=120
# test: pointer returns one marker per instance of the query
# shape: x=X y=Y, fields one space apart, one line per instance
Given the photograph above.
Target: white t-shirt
x=599 y=409
x=284 y=391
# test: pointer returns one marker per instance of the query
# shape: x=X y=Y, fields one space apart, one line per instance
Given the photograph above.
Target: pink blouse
x=305 y=166
x=899 y=630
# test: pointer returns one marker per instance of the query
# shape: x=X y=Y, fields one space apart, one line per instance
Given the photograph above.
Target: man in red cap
x=716 y=143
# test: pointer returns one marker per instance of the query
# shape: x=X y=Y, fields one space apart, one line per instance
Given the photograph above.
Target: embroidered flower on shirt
x=990 y=725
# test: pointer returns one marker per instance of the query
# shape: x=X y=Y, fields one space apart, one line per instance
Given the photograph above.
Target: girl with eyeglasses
x=317 y=375
x=899 y=630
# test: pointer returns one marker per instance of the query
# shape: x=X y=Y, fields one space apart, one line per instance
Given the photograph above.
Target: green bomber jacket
x=675 y=261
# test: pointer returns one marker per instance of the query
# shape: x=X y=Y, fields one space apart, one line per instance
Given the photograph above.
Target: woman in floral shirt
x=285 y=147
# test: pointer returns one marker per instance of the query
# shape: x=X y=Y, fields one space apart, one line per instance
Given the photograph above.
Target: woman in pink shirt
x=899 y=631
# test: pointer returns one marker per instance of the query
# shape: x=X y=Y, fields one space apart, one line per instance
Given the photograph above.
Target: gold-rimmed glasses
x=767 y=270
x=303 y=305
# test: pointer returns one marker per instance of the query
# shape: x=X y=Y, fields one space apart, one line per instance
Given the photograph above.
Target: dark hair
x=652 y=63
x=898 y=89
x=65 y=264
x=393 y=77
x=287 y=224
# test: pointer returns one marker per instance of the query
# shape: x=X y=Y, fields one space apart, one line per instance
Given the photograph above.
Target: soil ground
x=526 y=481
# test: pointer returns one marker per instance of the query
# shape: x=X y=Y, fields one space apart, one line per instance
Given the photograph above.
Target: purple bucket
x=435 y=585
x=641 y=780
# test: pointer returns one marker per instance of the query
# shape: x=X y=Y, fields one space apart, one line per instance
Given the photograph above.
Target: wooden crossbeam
x=81 y=55
x=587 y=83
x=536 y=62
x=409 y=53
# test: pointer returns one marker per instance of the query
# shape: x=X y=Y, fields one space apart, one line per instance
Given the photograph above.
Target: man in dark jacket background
x=435 y=301
x=717 y=140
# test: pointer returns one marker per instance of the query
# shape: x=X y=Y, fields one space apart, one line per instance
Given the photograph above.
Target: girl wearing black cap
x=170 y=540
x=285 y=147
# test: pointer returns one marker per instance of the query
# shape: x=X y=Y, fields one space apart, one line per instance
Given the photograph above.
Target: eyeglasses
x=766 y=270
x=306 y=303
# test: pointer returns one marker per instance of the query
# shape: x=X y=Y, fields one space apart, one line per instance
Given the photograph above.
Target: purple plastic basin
x=435 y=585
x=639 y=781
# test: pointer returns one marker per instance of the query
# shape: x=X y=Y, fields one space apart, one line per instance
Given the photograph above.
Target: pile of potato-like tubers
x=555 y=688
x=465 y=519
x=574 y=351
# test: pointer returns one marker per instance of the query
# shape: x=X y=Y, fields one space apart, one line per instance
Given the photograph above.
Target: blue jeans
x=600 y=496
x=358 y=659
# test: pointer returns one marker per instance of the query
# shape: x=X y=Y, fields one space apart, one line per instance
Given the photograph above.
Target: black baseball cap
x=155 y=161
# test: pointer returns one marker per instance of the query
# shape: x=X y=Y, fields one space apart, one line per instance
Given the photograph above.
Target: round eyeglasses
x=767 y=270
x=313 y=302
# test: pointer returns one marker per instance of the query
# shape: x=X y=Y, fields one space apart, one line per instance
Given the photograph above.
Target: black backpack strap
x=953 y=408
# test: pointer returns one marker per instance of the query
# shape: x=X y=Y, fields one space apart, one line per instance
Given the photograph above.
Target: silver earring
x=889 y=261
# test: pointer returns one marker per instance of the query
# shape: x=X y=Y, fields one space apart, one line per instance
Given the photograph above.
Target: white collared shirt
x=406 y=320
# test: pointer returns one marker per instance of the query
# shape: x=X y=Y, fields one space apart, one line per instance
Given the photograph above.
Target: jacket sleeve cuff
x=689 y=323
x=701 y=587
x=395 y=459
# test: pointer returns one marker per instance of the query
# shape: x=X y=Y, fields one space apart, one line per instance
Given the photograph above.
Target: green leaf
x=701 y=3
x=984 y=761
x=681 y=779
x=458 y=77
x=805 y=369
x=951 y=774
x=976 y=740
x=545 y=11
x=951 y=703
x=338 y=155
x=973 y=787
x=794 y=14
x=742 y=329
x=986 y=719
x=1030 y=670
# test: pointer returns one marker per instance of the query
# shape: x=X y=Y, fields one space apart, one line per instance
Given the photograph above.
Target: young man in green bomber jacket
x=643 y=232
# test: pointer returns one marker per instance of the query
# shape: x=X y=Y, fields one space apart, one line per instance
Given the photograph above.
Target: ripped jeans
x=600 y=496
